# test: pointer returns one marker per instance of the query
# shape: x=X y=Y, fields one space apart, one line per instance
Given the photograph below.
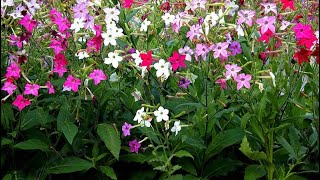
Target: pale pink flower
x=246 y=16
x=232 y=70
x=266 y=23
x=243 y=80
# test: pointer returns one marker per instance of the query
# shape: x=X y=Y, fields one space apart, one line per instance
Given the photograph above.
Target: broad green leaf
x=63 y=115
x=5 y=141
x=129 y=16
x=246 y=150
x=6 y=115
x=174 y=169
x=111 y=138
x=7 y=177
x=68 y=165
x=35 y=118
x=223 y=140
x=296 y=177
x=188 y=167
x=287 y=146
x=254 y=172
x=175 y=177
x=294 y=138
x=182 y=153
x=32 y=144
x=220 y=167
x=108 y=171
x=69 y=130
x=244 y=120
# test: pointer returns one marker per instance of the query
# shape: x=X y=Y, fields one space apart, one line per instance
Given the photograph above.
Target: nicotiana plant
x=138 y=89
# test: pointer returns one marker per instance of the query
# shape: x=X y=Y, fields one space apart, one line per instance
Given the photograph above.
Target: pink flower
x=15 y=40
x=60 y=69
x=57 y=46
x=13 y=71
x=269 y=7
x=127 y=4
x=97 y=75
x=31 y=89
x=50 y=87
x=246 y=16
x=243 y=80
x=60 y=59
x=198 y=3
x=28 y=23
x=266 y=23
x=302 y=31
x=195 y=31
x=21 y=102
x=266 y=36
x=63 y=24
x=95 y=43
x=223 y=83
x=134 y=146
x=126 y=129
x=177 y=60
x=232 y=70
x=72 y=83
x=9 y=87
x=220 y=50
x=54 y=14
x=201 y=50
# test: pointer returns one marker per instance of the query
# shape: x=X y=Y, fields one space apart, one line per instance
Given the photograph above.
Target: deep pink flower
x=28 y=23
x=57 y=46
x=146 y=59
x=13 y=71
x=31 y=89
x=267 y=22
x=72 y=83
x=14 y=40
x=21 y=102
x=95 y=43
x=223 y=83
x=50 y=87
x=287 y=3
x=243 y=80
x=9 y=87
x=127 y=4
x=134 y=146
x=97 y=75
x=60 y=69
x=177 y=60
x=63 y=24
x=126 y=129
x=54 y=14
x=265 y=36
x=302 y=31
x=307 y=42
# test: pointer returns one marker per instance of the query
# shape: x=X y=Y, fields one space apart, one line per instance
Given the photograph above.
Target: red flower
x=302 y=55
x=287 y=3
x=307 y=42
x=316 y=53
x=266 y=36
x=165 y=7
x=146 y=59
x=177 y=60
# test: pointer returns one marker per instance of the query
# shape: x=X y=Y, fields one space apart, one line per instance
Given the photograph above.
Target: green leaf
x=188 y=167
x=254 y=172
x=107 y=170
x=111 y=138
x=5 y=141
x=69 y=130
x=150 y=133
x=7 y=177
x=6 y=115
x=70 y=164
x=32 y=144
x=287 y=146
x=129 y=17
x=182 y=153
x=245 y=119
x=35 y=118
x=175 y=177
x=220 y=167
x=223 y=140
x=63 y=115
x=246 y=150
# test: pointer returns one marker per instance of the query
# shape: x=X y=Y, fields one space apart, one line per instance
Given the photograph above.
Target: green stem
x=270 y=165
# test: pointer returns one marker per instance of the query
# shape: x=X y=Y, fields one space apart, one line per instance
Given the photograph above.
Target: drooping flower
x=176 y=127
x=316 y=53
x=177 y=60
x=163 y=68
x=302 y=55
x=184 y=82
x=95 y=43
x=134 y=146
x=223 y=83
x=243 y=80
x=146 y=59
x=97 y=75
x=137 y=95
x=31 y=89
x=72 y=83
x=28 y=23
x=161 y=114
x=126 y=129
x=21 y=102
x=267 y=22
x=9 y=87
x=139 y=115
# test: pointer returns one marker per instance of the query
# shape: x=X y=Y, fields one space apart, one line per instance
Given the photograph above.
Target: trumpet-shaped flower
x=267 y=22
x=21 y=102
x=243 y=80
x=126 y=129
x=139 y=115
x=9 y=87
x=163 y=68
x=246 y=16
x=176 y=127
x=31 y=89
x=177 y=60
x=72 y=83
x=97 y=75
x=134 y=146
x=161 y=114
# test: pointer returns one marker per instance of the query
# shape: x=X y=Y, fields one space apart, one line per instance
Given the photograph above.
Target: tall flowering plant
x=195 y=88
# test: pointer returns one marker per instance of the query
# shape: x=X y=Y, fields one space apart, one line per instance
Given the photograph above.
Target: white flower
x=161 y=114
x=139 y=115
x=7 y=3
x=186 y=51
x=167 y=125
x=168 y=18
x=114 y=77
x=162 y=68
x=136 y=57
x=112 y=14
x=113 y=58
x=66 y=88
x=145 y=123
x=220 y=13
x=110 y=24
x=239 y=30
x=176 y=127
x=143 y=71
x=305 y=79
x=192 y=77
x=273 y=79
x=82 y=54
x=32 y=6
x=97 y=2
x=269 y=7
x=210 y=21
x=109 y=38
x=232 y=8
x=284 y=25
x=137 y=95
x=77 y=24
x=144 y=25
x=117 y=32
x=15 y=15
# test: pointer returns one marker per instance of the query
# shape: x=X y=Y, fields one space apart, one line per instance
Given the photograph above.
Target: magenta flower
x=50 y=87
x=21 y=102
x=95 y=43
x=235 y=48
x=72 y=83
x=126 y=129
x=54 y=14
x=195 y=31
x=31 y=89
x=60 y=69
x=134 y=146
x=302 y=31
x=97 y=75
x=177 y=60
x=13 y=71
x=266 y=23
x=63 y=24
x=57 y=46
x=220 y=50
x=232 y=70
x=28 y=23
x=184 y=82
x=60 y=59
x=9 y=87
x=246 y=16
x=14 y=40
x=223 y=83
x=243 y=80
